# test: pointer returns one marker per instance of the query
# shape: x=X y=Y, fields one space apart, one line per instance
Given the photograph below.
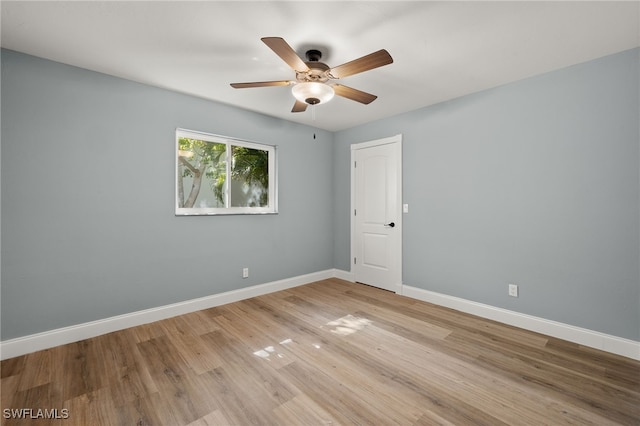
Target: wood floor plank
x=214 y=418
x=330 y=352
x=94 y=407
x=12 y=366
x=317 y=347
x=39 y=371
x=265 y=340
x=142 y=411
x=569 y=369
x=235 y=406
x=129 y=378
x=575 y=389
x=257 y=381
x=332 y=396
x=180 y=394
x=614 y=366
x=77 y=369
x=401 y=406
x=302 y=410
x=189 y=344
x=328 y=342
x=444 y=374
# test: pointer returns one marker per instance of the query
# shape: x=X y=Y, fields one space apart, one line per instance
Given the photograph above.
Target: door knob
x=390 y=225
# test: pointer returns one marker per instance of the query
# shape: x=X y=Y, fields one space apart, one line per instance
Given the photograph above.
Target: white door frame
x=397 y=142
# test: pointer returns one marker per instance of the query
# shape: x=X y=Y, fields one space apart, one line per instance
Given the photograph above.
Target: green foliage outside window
x=223 y=174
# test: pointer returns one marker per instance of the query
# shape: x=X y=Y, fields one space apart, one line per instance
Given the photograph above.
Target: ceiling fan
x=312 y=85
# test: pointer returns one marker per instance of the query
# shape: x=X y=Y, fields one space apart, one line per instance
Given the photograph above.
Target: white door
x=376 y=197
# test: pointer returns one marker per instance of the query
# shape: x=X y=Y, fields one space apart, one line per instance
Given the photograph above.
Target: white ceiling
x=441 y=50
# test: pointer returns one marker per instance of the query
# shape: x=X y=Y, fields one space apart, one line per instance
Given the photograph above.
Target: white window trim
x=272 y=208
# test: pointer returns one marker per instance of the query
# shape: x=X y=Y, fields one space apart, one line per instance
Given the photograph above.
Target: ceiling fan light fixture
x=313 y=93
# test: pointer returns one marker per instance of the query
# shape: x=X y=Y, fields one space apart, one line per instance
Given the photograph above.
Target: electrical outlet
x=245 y=272
x=513 y=290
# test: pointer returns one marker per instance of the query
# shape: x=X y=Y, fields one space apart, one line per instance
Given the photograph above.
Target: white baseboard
x=48 y=339
x=344 y=275
x=61 y=336
x=581 y=336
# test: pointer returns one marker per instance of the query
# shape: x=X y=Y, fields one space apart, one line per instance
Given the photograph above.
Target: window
x=220 y=175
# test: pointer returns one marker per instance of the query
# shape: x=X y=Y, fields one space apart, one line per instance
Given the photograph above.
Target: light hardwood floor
x=330 y=352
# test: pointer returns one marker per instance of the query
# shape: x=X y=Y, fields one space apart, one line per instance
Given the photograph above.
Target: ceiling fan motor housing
x=318 y=73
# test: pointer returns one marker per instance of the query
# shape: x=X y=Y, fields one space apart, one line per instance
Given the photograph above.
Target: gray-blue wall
x=88 y=224
x=534 y=183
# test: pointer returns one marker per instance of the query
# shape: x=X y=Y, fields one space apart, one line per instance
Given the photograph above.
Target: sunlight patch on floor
x=270 y=351
x=348 y=325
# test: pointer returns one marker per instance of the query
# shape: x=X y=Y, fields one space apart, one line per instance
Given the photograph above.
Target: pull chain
x=313 y=117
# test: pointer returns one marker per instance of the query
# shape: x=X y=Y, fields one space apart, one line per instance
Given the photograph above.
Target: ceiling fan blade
x=365 y=63
x=261 y=84
x=299 y=106
x=354 y=94
x=282 y=49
